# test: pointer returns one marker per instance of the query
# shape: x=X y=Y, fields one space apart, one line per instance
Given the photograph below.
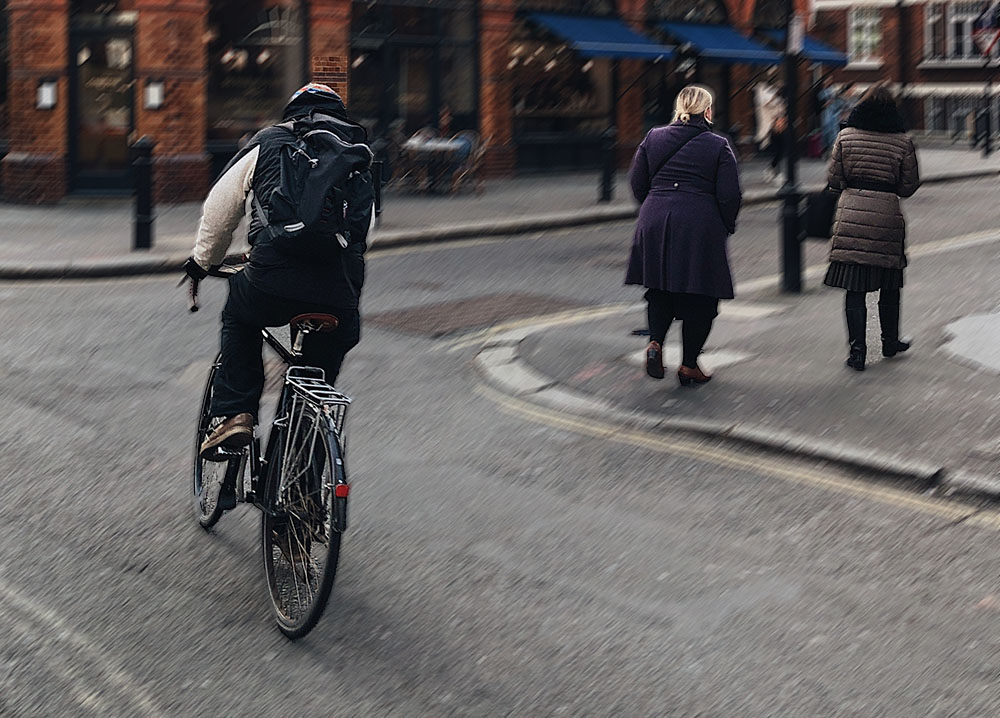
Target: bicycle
x=299 y=484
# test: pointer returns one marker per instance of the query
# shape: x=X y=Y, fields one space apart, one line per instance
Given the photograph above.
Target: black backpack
x=304 y=213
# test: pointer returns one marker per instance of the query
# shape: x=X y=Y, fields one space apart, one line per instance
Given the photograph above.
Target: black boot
x=857 y=321
x=888 y=316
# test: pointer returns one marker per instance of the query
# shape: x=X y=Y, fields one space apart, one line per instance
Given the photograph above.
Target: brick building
x=925 y=49
x=542 y=79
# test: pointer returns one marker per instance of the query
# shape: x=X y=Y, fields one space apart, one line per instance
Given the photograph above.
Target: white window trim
x=864 y=65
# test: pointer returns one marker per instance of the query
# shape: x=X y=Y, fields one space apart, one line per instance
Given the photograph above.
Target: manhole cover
x=437 y=320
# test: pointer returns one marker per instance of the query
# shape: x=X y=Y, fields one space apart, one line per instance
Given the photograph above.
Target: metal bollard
x=142 y=174
x=608 y=165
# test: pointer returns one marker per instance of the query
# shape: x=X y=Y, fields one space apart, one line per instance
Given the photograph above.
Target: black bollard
x=142 y=174
x=608 y=165
x=987 y=133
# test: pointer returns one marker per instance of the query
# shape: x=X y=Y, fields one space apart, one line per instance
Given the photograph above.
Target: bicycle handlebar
x=222 y=271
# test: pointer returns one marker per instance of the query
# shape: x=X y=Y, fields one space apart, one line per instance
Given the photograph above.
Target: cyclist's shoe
x=232 y=433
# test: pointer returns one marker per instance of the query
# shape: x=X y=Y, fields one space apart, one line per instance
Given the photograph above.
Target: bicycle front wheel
x=303 y=517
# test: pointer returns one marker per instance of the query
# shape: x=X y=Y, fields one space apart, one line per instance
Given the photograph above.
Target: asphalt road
x=502 y=561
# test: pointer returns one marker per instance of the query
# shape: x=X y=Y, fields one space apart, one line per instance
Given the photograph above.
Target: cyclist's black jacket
x=336 y=281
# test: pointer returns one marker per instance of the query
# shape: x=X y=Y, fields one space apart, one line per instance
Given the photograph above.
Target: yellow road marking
x=802 y=476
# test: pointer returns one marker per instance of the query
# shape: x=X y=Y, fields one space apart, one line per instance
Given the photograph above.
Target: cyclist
x=276 y=286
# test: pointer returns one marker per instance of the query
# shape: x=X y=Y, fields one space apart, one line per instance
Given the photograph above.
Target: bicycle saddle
x=314 y=323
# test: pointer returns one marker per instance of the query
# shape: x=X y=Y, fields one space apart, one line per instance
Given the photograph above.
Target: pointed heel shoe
x=892 y=347
x=692 y=377
x=654 y=360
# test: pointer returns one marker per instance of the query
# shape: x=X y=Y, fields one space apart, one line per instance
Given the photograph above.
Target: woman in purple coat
x=686 y=179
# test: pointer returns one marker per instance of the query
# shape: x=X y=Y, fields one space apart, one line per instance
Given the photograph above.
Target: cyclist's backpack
x=304 y=214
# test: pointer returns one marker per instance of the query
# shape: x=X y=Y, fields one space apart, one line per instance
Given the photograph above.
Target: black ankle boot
x=888 y=315
x=857 y=321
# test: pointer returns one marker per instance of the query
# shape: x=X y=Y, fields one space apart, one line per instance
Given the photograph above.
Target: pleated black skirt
x=862 y=277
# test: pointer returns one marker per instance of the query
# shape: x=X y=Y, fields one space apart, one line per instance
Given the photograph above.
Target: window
x=865 y=35
x=577 y=7
x=949 y=31
x=711 y=11
x=413 y=64
x=255 y=63
x=935 y=32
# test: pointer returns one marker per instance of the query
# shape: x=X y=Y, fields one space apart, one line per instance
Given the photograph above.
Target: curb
x=131 y=266
x=501 y=365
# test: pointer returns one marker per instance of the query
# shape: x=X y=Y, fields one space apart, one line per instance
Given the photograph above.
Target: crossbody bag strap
x=671 y=155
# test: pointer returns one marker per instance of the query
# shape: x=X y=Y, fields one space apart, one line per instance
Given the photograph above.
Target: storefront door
x=101 y=115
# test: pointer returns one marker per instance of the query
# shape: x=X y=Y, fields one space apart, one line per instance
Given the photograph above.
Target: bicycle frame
x=249 y=488
x=259 y=463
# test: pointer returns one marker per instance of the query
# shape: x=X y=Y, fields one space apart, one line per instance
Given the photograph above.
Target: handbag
x=821 y=207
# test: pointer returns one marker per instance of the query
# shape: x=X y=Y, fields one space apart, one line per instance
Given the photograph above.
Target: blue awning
x=812 y=49
x=721 y=43
x=601 y=37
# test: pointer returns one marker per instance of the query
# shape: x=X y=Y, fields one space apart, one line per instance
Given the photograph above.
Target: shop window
x=576 y=7
x=865 y=35
x=93 y=7
x=709 y=11
x=255 y=64
x=413 y=65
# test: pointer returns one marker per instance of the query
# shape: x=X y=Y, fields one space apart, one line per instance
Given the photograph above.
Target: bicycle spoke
x=302 y=546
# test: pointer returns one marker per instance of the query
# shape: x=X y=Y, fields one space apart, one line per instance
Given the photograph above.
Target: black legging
x=694 y=331
x=777 y=148
x=856 y=300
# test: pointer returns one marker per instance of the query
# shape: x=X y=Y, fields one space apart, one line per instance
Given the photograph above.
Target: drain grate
x=438 y=320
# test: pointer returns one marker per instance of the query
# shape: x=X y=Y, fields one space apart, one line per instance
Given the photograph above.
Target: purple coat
x=689 y=208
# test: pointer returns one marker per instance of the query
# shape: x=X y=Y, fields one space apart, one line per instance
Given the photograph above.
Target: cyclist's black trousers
x=240 y=380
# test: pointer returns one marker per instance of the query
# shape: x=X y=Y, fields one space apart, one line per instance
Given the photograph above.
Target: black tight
x=886 y=297
x=660 y=309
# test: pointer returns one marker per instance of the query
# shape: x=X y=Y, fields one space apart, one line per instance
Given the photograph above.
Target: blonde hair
x=692 y=100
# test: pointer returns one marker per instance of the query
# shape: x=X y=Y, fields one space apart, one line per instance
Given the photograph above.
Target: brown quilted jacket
x=868 y=227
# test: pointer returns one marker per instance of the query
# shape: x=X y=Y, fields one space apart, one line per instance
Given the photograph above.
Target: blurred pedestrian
x=687 y=180
x=874 y=163
x=769 y=108
x=836 y=104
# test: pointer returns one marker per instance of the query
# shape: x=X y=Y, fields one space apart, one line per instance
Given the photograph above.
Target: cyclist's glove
x=194 y=270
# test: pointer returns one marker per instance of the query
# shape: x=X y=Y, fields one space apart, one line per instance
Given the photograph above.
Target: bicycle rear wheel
x=303 y=519
x=208 y=476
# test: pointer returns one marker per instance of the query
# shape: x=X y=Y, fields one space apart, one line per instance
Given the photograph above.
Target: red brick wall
x=170 y=45
x=330 y=37
x=34 y=171
x=629 y=111
x=496 y=118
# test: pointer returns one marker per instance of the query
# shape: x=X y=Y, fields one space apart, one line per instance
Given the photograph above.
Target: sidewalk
x=780 y=382
x=92 y=238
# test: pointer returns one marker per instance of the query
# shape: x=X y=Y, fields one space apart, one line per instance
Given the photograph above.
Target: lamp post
x=791 y=240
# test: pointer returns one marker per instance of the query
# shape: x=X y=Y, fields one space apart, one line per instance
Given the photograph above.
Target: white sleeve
x=223 y=210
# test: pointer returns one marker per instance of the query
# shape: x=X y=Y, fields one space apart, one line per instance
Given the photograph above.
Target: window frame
x=870 y=19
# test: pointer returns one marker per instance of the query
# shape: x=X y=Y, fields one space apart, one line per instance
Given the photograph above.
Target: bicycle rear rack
x=309 y=385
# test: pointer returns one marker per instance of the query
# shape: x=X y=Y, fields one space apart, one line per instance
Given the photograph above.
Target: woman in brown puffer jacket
x=874 y=163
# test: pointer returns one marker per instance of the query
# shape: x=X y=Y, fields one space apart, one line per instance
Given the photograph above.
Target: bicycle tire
x=208 y=474
x=300 y=561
